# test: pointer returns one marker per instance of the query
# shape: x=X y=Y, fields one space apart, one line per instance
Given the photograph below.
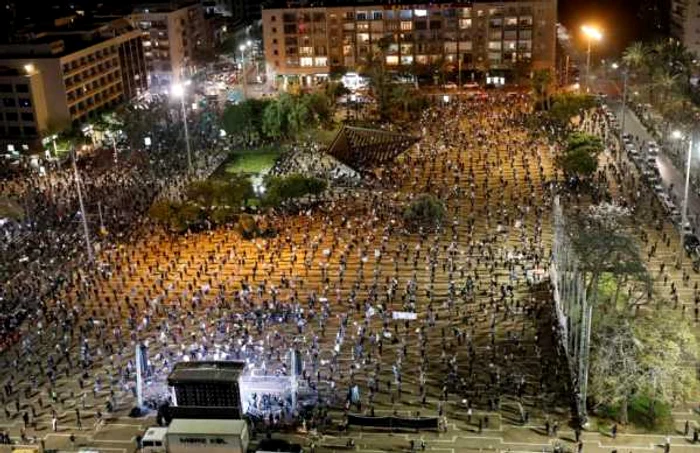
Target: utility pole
x=86 y=231
x=625 y=74
x=187 y=134
x=99 y=211
x=684 y=209
x=459 y=72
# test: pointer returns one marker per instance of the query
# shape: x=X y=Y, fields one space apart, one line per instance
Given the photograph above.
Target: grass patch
x=323 y=137
x=642 y=419
x=249 y=161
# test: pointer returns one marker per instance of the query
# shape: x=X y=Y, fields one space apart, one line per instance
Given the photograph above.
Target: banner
x=407 y=315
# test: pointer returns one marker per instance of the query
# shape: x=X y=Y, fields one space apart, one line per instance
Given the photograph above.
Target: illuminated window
x=511 y=21
x=450 y=47
x=406 y=26
x=306 y=51
x=363 y=37
x=494 y=45
x=465 y=24
x=420 y=12
x=306 y=61
x=422 y=59
x=406 y=59
x=362 y=26
x=321 y=61
x=392 y=60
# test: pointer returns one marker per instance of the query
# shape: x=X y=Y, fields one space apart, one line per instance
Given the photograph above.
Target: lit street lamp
x=592 y=34
x=625 y=75
x=178 y=91
x=83 y=215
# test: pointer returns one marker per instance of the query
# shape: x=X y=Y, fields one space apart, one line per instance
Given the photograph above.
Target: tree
x=581 y=155
x=643 y=356
x=279 y=189
x=635 y=56
x=614 y=371
x=603 y=246
x=374 y=68
x=564 y=107
x=541 y=81
x=238 y=120
x=274 y=120
x=424 y=210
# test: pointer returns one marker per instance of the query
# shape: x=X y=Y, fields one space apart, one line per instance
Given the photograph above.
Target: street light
x=684 y=208
x=83 y=215
x=592 y=34
x=242 y=48
x=178 y=91
x=625 y=75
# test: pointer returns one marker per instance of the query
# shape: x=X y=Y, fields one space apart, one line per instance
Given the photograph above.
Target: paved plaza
x=481 y=352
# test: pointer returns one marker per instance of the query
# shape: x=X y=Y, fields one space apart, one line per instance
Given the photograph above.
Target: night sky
x=622 y=21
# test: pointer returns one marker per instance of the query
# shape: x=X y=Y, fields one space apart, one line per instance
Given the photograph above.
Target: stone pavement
x=490 y=171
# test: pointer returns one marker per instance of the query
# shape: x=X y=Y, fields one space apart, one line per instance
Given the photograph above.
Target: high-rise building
x=173 y=34
x=308 y=42
x=685 y=23
x=65 y=74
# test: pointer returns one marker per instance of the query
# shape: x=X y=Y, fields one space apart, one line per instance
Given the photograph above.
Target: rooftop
x=163 y=7
x=197 y=426
x=208 y=371
x=64 y=36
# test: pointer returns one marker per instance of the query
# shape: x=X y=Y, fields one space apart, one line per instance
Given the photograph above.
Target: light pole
x=178 y=90
x=592 y=34
x=625 y=75
x=242 y=48
x=55 y=151
x=684 y=207
x=88 y=245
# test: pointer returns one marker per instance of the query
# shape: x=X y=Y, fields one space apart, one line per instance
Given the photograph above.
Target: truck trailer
x=207 y=436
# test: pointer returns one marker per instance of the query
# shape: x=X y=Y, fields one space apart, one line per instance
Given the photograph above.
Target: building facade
x=68 y=75
x=306 y=43
x=685 y=23
x=172 y=36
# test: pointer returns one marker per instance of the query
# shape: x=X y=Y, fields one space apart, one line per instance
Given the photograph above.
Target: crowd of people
x=46 y=243
x=448 y=319
x=335 y=283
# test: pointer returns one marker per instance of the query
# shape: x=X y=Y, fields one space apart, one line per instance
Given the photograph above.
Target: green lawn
x=251 y=161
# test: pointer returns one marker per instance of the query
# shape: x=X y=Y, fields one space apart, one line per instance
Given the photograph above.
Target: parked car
x=690 y=243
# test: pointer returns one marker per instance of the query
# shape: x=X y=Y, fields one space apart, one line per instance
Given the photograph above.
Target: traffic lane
x=669 y=173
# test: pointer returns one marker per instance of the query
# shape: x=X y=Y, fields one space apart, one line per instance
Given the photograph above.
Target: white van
x=154 y=440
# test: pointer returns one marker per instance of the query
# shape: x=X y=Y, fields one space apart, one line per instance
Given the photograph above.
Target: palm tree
x=635 y=56
x=667 y=82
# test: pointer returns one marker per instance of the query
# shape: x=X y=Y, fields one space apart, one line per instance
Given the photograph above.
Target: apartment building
x=685 y=23
x=67 y=74
x=306 y=43
x=172 y=34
